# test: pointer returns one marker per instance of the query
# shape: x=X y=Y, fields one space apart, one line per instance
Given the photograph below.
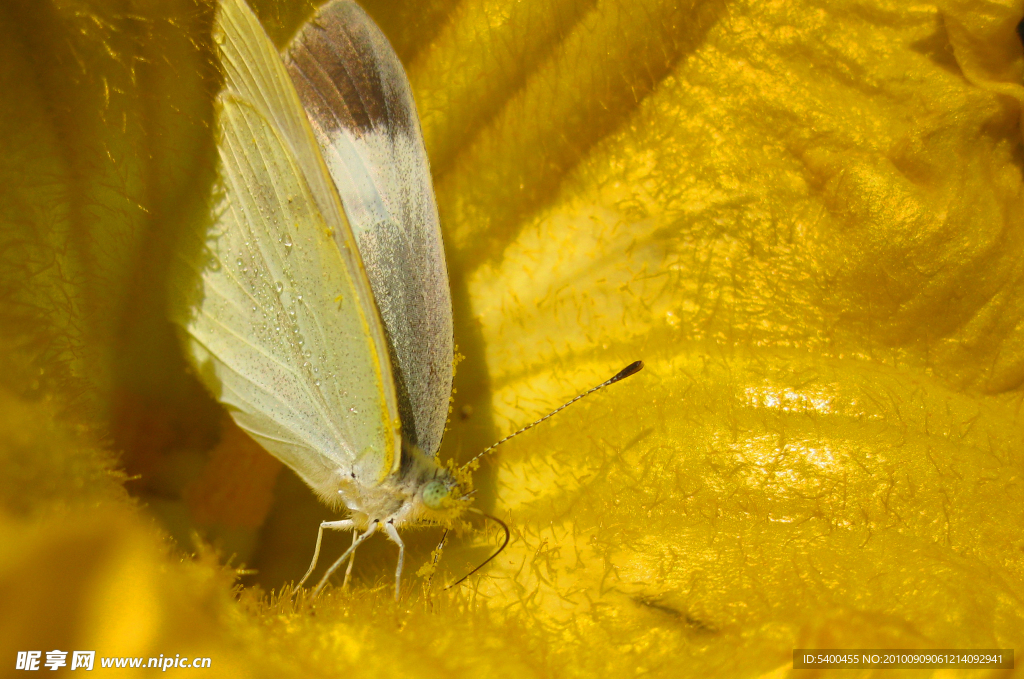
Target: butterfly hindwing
x=285 y=330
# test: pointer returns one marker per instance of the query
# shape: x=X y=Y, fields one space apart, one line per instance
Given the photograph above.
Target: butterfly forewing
x=362 y=113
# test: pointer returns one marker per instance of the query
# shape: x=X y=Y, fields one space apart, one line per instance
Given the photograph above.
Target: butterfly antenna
x=630 y=369
x=501 y=549
x=437 y=556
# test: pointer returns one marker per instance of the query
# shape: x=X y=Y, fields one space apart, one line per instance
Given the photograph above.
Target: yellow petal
x=803 y=218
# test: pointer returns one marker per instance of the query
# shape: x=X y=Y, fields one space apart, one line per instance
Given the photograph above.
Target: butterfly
x=318 y=310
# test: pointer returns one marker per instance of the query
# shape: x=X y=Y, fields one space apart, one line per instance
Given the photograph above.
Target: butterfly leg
x=351 y=562
x=345 y=524
x=392 y=532
x=355 y=543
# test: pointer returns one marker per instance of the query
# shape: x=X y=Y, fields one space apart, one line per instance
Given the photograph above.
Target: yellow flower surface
x=805 y=218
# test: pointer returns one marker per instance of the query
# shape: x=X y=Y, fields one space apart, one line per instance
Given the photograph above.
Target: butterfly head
x=434 y=492
x=437 y=495
x=448 y=493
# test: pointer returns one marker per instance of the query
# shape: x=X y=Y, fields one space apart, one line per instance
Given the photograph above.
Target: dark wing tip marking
x=346 y=73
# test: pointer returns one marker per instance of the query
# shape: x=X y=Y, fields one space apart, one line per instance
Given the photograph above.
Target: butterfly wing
x=361 y=109
x=281 y=323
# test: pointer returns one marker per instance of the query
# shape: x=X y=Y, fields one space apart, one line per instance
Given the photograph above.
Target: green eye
x=434 y=494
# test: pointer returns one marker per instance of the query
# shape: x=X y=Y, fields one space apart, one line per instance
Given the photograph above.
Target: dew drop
x=286 y=240
x=279 y=286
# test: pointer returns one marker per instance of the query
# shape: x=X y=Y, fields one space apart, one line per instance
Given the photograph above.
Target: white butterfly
x=327 y=331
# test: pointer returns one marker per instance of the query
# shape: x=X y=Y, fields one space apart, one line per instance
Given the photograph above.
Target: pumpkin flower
x=803 y=217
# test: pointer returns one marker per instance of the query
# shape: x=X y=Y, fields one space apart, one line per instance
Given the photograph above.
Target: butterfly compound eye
x=434 y=494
